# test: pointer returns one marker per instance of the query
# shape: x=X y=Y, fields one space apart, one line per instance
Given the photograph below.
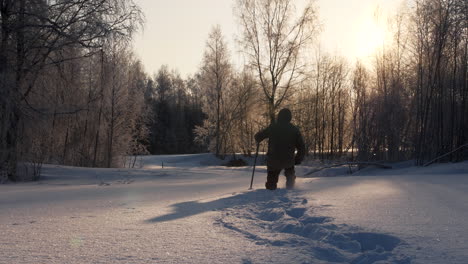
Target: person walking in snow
x=284 y=139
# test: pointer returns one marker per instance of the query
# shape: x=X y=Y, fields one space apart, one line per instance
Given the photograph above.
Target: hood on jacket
x=284 y=116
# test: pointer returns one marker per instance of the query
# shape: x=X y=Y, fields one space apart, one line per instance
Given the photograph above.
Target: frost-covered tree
x=37 y=36
x=272 y=40
x=215 y=80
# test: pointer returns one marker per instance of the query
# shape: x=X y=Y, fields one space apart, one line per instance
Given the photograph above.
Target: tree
x=175 y=111
x=244 y=111
x=216 y=78
x=322 y=105
x=361 y=114
x=33 y=36
x=439 y=45
x=273 y=42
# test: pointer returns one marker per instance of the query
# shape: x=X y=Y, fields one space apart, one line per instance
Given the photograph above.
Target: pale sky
x=176 y=31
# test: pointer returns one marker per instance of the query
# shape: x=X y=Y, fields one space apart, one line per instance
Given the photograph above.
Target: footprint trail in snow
x=282 y=219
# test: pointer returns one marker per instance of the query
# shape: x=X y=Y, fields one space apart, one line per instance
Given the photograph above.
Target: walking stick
x=255 y=163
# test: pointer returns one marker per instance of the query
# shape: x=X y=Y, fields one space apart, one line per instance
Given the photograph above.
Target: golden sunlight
x=370 y=35
x=369 y=39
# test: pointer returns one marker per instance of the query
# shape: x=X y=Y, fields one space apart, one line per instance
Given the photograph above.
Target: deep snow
x=195 y=211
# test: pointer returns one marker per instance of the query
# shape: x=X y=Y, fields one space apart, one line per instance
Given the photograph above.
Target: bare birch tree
x=216 y=77
x=272 y=39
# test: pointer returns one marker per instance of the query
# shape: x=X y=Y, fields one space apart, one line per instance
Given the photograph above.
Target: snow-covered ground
x=195 y=211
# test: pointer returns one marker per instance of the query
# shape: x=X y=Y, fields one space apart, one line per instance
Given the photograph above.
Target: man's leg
x=290 y=177
x=272 y=179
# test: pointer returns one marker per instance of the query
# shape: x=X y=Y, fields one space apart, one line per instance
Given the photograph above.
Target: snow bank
x=194 y=210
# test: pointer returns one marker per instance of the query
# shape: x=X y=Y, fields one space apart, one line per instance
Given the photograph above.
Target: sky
x=176 y=31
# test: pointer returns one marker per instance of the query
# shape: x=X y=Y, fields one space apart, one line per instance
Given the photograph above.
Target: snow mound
x=189 y=160
x=283 y=219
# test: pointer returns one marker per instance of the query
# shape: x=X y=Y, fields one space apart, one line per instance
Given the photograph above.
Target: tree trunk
x=11 y=89
x=96 y=142
x=5 y=97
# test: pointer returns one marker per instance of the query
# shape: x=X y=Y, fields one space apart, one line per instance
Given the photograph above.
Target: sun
x=370 y=36
x=370 y=39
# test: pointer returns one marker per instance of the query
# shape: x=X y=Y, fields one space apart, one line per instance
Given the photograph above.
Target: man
x=284 y=139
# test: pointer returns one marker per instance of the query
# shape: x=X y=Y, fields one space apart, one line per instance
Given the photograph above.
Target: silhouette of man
x=284 y=139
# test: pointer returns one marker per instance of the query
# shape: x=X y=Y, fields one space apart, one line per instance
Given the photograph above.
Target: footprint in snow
x=285 y=222
x=296 y=212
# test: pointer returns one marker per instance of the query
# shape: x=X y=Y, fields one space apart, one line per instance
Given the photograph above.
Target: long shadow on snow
x=190 y=208
x=286 y=220
x=281 y=218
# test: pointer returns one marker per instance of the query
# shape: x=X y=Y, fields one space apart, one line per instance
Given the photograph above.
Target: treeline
x=409 y=103
x=175 y=107
x=86 y=112
x=72 y=92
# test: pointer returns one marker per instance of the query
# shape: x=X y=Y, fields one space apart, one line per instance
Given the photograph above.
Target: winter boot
x=270 y=186
x=290 y=178
x=290 y=182
x=272 y=179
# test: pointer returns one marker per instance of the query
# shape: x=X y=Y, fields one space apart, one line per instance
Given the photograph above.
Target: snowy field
x=195 y=211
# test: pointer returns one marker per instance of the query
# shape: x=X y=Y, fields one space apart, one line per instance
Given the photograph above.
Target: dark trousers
x=273 y=176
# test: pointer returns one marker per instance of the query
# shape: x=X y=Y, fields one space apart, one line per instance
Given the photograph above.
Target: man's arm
x=260 y=136
x=300 y=146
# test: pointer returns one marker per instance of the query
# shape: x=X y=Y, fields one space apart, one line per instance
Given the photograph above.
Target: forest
x=73 y=92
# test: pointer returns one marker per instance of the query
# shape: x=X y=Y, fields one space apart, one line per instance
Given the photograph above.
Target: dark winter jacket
x=284 y=139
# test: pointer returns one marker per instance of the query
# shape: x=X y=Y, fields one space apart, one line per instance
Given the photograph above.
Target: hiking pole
x=255 y=163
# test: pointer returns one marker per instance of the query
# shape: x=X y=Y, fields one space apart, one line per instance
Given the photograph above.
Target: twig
x=383 y=166
x=446 y=154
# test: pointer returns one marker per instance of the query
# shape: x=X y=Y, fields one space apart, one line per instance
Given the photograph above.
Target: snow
x=196 y=211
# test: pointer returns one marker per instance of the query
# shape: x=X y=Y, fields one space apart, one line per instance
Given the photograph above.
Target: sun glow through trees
x=371 y=34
